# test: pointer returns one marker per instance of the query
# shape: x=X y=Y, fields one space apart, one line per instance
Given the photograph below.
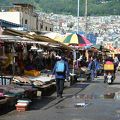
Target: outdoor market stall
x=16 y=47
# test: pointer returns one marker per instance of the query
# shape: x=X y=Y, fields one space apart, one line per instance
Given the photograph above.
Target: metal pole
x=78 y=16
x=74 y=52
x=86 y=2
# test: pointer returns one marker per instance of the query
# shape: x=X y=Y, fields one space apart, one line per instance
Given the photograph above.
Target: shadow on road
x=40 y=103
x=96 y=81
x=6 y=109
x=47 y=102
x=115 y=83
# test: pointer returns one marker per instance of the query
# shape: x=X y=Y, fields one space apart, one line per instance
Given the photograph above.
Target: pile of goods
x=24 y=80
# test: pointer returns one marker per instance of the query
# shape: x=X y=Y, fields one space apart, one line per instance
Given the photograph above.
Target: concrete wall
x=11 y=16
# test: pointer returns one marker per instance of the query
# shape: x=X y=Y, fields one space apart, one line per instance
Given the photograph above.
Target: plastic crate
x=21 y=107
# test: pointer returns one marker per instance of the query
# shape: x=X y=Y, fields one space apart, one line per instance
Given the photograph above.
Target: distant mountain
x=95 y=7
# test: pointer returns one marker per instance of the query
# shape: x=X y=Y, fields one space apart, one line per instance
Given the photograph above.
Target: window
x=22 y=21
x=46 y=28
x=25 y=21
x=41 y=26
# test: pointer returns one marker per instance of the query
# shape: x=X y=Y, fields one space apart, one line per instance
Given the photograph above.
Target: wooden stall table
x=48 y=85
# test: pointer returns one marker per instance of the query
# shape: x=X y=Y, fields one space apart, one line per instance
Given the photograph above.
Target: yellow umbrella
x=52 y=35
x=59 y=38
x=55 y=36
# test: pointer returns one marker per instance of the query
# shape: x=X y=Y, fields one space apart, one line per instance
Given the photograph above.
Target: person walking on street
x=116 y=63
x=97 y=66
x=61 y=72
x=91 y=67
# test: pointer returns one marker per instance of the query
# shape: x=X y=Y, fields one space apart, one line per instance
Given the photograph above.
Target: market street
x=82 y=101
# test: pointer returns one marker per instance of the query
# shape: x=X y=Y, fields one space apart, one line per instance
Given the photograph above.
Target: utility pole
x=74 y=51
x=78 y=16
x=86 y=2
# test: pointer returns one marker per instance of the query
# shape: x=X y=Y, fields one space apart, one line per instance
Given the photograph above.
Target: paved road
x=100 y=102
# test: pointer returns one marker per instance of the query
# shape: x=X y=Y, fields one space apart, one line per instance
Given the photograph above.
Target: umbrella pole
x=73 y=71
x=86 y=54
x=74 y=59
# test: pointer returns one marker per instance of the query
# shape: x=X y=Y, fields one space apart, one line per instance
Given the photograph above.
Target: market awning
x=11 y=38
x=35 y=37
x=18 y=39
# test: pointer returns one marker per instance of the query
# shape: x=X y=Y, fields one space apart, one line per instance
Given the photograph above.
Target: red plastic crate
x=21 y=108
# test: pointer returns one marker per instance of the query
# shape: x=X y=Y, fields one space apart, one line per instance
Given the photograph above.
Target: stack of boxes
x=23 y=105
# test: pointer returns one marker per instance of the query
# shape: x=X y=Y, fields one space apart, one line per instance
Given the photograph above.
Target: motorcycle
x=109 y=73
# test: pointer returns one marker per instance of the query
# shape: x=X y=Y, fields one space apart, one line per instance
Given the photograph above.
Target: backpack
x=92 y=66
x=60 y=67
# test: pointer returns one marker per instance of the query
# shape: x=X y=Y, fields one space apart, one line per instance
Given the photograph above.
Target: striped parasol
x=77 y=40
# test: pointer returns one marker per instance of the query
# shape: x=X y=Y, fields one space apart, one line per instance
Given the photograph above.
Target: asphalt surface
x=83 y=101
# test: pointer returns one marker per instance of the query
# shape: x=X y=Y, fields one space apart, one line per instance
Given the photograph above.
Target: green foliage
x=95 y=7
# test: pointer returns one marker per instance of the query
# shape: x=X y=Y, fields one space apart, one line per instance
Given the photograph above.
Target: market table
x=48 y=86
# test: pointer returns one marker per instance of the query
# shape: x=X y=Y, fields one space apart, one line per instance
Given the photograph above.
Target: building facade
x=24 y=15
